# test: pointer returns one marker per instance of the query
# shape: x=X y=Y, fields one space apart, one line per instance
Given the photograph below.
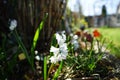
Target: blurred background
x=99 y=12
x=103 y=15
x=70 y=15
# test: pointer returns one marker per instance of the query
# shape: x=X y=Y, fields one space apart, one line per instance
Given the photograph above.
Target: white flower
x=37 y=57
x=75 y=42
x=64 y=36
x=54 y=50
x=63 y=49
x=36 y=52
x=54 y=59
x=71 y=34
x=61 y=52
x=75 y=37
x=61 y=38
x=13 y=24
x=61 y=57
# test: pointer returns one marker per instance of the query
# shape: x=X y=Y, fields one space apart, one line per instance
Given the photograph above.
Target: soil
x=111 y=66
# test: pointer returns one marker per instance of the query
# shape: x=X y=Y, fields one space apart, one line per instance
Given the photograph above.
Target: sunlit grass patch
x=112 y=34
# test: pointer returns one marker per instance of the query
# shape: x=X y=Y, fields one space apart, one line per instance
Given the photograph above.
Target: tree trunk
x=29 y=15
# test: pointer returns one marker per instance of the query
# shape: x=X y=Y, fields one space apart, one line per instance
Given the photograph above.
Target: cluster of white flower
x=61 y=52
x=74 y=41
x=13 y=24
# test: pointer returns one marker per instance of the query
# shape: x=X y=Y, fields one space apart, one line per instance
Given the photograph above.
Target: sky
x=93 y=7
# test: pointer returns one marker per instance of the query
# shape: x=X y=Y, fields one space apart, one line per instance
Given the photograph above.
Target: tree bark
x=29 y=15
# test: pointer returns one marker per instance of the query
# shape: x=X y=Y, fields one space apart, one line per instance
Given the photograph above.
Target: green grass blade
x=22 y=46
x=37 y=33
x=36 y=37
x=45 y=68
x=58 y=71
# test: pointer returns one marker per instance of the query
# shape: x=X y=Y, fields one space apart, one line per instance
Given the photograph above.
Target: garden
x=44 y=40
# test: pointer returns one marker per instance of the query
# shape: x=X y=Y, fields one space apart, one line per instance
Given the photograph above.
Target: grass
x=112 y=34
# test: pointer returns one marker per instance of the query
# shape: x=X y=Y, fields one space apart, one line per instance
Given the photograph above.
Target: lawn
x=112 y=34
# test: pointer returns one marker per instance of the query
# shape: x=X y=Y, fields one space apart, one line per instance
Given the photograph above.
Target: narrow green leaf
x=23 y=48
x=36 y=37
x=58 y=71
x=37 y=33
x=45 y=68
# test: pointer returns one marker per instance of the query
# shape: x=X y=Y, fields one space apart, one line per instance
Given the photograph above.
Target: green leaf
x=58 y=71
x=45 y=68
x=36 y=37
x=23 y=48
x=37 y=33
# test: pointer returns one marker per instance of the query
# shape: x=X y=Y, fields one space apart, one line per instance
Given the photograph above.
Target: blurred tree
x=104 y=12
